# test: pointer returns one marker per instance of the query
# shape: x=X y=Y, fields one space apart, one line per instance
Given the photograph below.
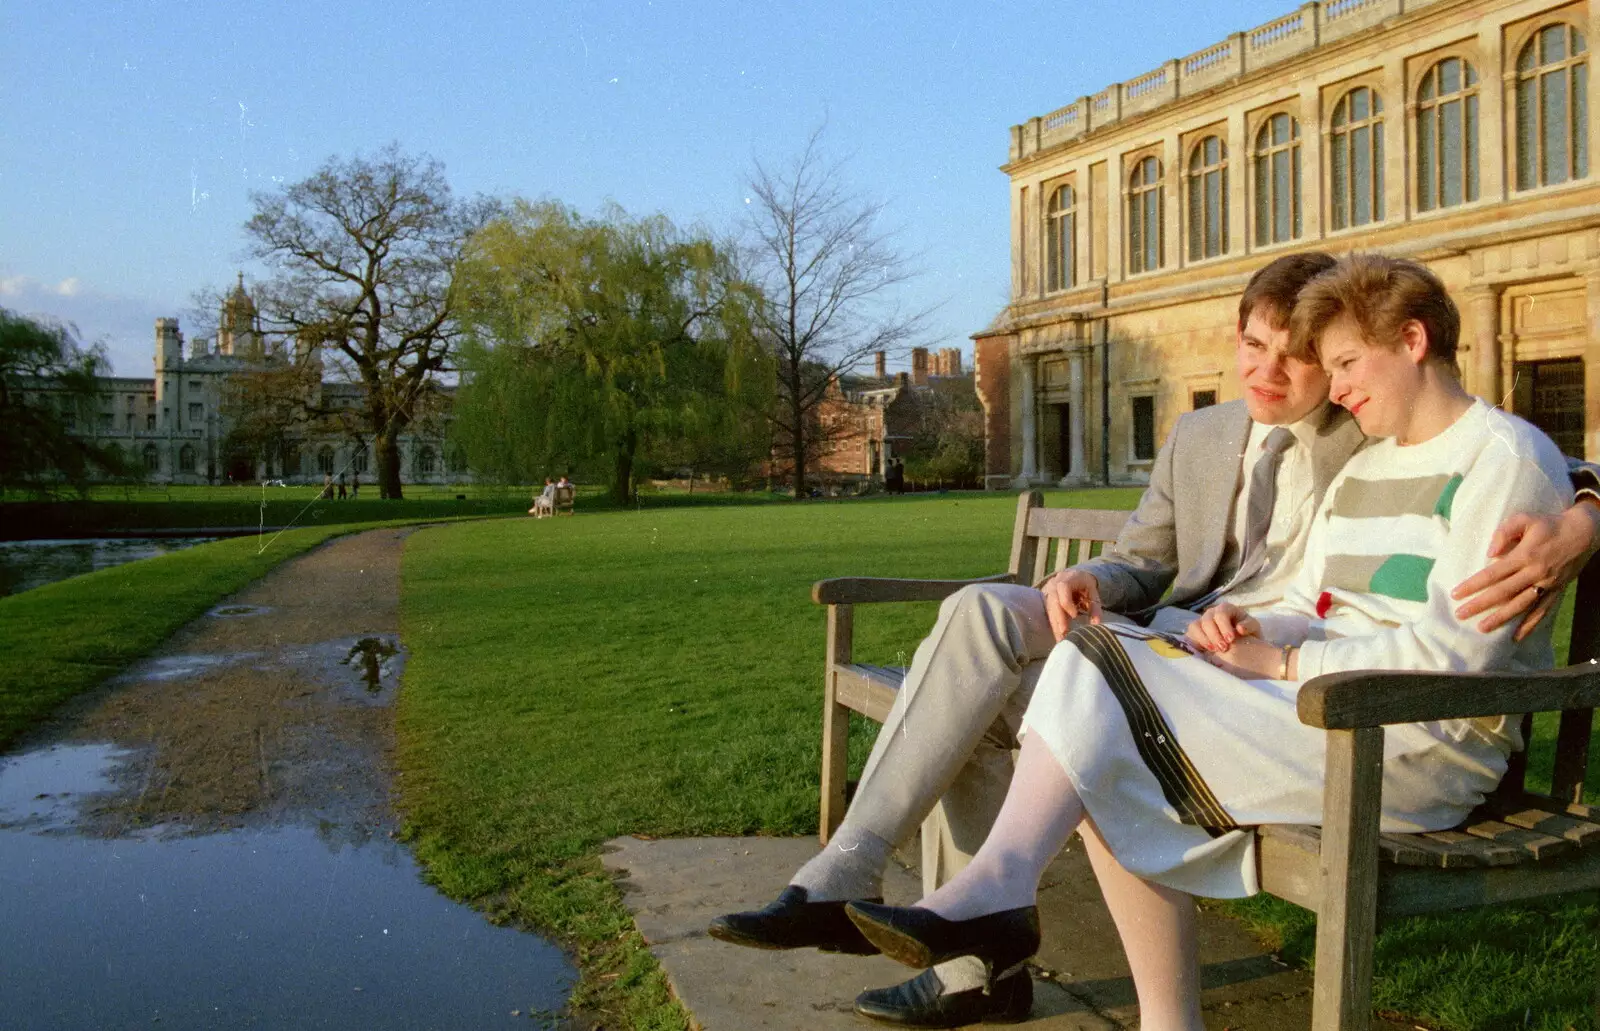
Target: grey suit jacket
x=1175 y=538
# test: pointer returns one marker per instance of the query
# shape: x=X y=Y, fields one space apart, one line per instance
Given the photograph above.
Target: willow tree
x=48 y=388
x=364 y=253
x=612 y=342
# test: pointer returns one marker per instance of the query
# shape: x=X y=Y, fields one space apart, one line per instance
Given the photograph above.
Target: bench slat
x=1570 y=828
x=1091 y=523
x=869 y=690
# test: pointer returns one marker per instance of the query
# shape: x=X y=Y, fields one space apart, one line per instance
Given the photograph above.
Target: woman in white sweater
x=1170 y=749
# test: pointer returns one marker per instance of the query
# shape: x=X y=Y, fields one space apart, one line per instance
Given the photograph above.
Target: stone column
x=1018 y=199
x=1482 y=331
x=1239 y=167
x=1030 y=435
x=1492 y=150
x=1591 y=368
x=1310 y=162
x=1173 y=247
x=1080 y=413
x=1398 y=116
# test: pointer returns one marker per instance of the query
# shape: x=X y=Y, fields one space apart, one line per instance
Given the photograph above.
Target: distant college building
x=172 y=426
x=1456 y=132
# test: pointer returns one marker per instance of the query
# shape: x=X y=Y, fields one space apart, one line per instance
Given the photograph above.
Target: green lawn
x=659 y=673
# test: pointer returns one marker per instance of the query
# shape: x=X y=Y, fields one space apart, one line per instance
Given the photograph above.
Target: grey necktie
x=1258 y=513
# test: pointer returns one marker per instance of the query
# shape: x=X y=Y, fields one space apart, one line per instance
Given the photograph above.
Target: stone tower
x=239 y=327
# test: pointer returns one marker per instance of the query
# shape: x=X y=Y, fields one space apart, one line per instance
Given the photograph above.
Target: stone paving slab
x=675 y=886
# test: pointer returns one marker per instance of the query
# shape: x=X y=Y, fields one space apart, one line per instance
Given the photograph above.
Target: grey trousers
x=944 y=754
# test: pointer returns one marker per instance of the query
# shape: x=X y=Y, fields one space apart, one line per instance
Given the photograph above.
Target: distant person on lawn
x=545 y=503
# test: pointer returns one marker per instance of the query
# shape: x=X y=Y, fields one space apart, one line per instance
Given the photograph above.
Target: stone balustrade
x=1310 y=25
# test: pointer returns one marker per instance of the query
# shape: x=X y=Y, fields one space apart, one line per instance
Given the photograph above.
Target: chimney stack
x=880 y=367
x=919 y=366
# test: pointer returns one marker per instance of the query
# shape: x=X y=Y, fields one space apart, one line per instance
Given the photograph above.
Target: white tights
x=1156 y=923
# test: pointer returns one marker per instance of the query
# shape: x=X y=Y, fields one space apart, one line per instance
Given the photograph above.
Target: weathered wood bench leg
x=1347 y=920
x=835 y=723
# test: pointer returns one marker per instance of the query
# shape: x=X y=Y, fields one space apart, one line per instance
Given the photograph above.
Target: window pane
x=1426 y=92
x=1553 y=44
x=1152 y=231
x=1222 y=211
x=1525 y=60
x=1471 y=148
x=1339 y=180
x=1580 y=119
x=1427 y=168
x=1527 y=136
x=1280 y=128
x=1450 y=153
x=1264 y=199
x=1358 y=104
x=1280 y=196
x=1294 y=189
x=1196 y=218
x=1069 y=268
x=1553 y=101
x=1449 y=76
x=1214 y=214
x=1361 y=176
x=1377 y=172
x=1135 y=236
x=1577 y=42
x=1340 y=112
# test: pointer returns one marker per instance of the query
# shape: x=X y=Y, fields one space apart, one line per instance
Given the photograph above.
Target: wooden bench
x=564 y=498
x=1520 y=845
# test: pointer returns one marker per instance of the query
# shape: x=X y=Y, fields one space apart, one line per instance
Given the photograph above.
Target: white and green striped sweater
x=1398 y=529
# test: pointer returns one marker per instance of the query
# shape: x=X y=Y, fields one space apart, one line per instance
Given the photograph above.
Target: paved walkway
x=675 y=886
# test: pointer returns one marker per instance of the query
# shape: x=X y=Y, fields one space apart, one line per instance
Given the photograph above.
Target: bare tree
x=365 y=252
x=827 y=273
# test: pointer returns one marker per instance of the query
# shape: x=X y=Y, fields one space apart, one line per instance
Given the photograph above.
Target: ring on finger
x=1539 y=592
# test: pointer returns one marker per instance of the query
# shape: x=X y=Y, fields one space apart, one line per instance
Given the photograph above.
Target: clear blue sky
x=132 y=133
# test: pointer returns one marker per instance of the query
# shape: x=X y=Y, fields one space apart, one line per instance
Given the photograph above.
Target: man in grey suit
x=1228 y=511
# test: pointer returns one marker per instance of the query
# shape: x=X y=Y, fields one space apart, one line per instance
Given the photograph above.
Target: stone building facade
x=1456 y=132
x=172 y=426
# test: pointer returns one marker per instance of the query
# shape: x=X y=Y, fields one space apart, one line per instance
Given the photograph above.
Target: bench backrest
x=1046 y=539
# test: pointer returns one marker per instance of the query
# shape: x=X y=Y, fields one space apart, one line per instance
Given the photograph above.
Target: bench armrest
x=861 y=590
x=1375 y=698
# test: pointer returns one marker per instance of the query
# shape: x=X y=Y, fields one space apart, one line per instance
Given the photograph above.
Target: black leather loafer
x=917 y=1002
x=791 y=922
x=923 y=938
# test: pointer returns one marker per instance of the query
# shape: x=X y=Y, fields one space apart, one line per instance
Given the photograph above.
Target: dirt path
x=275 y=705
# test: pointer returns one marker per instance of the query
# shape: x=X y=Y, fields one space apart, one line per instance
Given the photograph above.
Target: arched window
x=1278 y=181
x=1447 y=135
x=1552 y=108
x=152 y=459
x=1060 y=227
x=1145 y=206
x=358 y=460
x=186 y=459
x=1356 y=159
x=426 y=461
x=325 y=460
x=1208 y=199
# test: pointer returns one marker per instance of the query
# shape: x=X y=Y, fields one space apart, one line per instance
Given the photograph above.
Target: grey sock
x=961 y=974
x=851 y=867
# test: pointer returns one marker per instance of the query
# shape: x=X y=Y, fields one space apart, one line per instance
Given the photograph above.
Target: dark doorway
x=1550 y=395
x=241 y=468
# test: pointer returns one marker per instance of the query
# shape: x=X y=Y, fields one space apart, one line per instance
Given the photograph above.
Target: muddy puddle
x=209 y=840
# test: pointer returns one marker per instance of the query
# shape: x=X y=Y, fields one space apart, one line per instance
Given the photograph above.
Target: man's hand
x=1069 y=594
x=1535 y=557
x=1222 y=625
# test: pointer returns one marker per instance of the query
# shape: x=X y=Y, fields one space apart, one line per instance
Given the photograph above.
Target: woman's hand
x=1535 y=557
x=1251 y=658
x=1221 y=626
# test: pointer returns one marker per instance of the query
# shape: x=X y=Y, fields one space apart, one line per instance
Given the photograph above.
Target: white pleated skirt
x=1176 y=760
